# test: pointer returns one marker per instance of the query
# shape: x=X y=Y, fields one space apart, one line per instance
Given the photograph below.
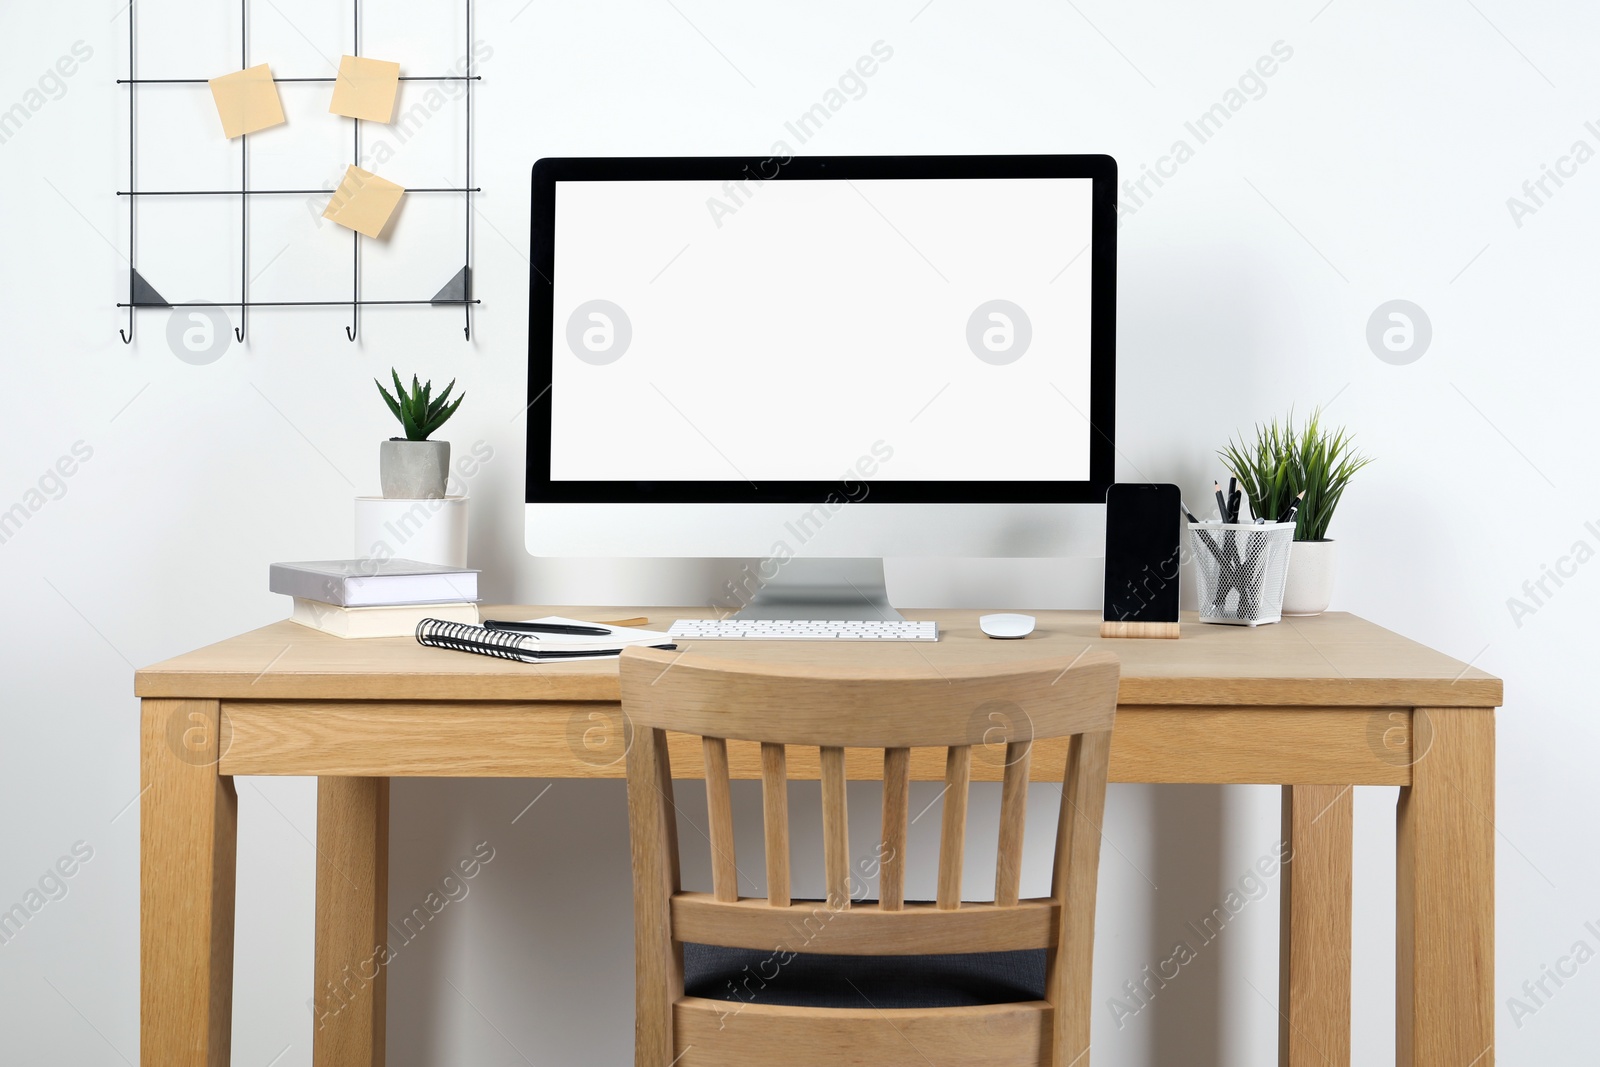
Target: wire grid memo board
x=457 y=292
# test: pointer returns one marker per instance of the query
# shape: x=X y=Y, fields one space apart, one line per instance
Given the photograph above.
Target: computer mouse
x=1006 y=627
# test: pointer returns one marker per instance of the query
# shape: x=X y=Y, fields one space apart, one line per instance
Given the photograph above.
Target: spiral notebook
x=534 y=648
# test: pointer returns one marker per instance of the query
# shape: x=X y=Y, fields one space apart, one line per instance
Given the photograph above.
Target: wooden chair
x=845 y=980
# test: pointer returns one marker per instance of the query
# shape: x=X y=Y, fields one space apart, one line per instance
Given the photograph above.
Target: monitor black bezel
x=1102 y=169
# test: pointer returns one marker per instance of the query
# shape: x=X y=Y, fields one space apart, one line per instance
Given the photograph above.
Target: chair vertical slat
x=835 y=829
x=1013 y=819
x=669 y=809
x=896 y=813
x=719 y=813
x=953 y=836
x=775 y=815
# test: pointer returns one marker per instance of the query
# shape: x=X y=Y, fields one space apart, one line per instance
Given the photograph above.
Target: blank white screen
x=782 y=331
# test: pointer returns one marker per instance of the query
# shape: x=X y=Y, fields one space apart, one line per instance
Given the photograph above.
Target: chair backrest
x=763 y=708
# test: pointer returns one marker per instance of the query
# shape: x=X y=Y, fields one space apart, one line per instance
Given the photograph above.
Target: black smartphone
x=1142 y=552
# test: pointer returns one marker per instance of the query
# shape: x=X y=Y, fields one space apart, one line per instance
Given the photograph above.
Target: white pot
x=1310 y=583
x=433 y=530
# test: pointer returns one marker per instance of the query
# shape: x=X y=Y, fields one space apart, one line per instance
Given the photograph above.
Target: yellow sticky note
x=364 y=202
x=365 y=89
x=247 y=100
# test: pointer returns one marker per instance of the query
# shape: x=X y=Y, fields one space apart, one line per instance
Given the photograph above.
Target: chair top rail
x=892 y=706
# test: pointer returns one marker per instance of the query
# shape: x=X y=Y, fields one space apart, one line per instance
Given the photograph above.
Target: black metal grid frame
x=142 y=295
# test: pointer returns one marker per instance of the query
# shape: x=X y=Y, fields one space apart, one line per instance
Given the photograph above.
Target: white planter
x=1310 y=585
x=428 y=531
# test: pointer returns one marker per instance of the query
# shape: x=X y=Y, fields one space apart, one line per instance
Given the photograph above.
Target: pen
x=1293 y=506
x=547 y=628
x=1187 y=513
x=539 y=653
x=1222 y=505
x=1234 y=499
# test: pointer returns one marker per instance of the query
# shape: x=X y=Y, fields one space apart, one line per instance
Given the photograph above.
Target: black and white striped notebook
x=530 y=648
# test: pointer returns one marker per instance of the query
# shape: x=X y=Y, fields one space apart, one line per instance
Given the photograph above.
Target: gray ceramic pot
x=413 y=470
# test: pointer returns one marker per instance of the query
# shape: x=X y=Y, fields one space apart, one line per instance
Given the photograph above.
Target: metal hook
x=350 y=332
x=238 y=334
x=126 y=335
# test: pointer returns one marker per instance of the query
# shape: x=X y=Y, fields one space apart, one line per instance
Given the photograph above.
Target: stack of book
x=375 y=597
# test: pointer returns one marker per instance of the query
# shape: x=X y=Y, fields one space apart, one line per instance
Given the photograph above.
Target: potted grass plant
x=413 y=467
x=1308 y=465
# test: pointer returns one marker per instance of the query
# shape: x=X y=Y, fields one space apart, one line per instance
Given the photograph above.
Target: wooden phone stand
x=1109 y=628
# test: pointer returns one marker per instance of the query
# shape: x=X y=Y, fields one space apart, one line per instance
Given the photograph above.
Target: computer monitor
x=821 y=358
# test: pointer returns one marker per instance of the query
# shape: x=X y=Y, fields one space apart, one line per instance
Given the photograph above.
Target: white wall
x=1376 y=166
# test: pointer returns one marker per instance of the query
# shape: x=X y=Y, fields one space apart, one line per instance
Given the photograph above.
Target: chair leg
x=1070 y=962
x=658 y=960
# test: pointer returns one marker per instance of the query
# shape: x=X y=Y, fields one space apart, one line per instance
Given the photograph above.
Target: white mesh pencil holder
x=1241 y=570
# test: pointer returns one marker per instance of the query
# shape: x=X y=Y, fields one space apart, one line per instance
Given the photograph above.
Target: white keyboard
x=801 y=630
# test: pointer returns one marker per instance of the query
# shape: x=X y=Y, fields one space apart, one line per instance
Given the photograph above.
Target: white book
x=364 y=583
x=389 y=621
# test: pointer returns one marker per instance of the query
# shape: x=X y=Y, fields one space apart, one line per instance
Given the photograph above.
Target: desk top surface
x=1330 y=660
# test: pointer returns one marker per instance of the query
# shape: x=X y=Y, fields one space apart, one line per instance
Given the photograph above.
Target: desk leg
x=1444 y=929
x=187 y=819
x=1314 y=927
x=352 y=922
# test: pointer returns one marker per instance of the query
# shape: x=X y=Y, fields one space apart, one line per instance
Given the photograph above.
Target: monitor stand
x=850 y=590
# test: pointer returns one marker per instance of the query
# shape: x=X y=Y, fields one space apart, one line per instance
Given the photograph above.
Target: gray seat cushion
x=816 y=980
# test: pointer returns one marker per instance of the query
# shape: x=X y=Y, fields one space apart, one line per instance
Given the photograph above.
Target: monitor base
x=850 y=590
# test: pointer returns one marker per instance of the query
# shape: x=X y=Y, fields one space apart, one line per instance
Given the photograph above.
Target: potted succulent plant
x=1274 y=470
x=413 y=467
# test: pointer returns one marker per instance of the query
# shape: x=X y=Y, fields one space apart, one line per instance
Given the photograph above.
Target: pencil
x=1288 y=513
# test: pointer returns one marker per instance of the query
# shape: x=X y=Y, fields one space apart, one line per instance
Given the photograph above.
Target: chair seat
x=817 y=980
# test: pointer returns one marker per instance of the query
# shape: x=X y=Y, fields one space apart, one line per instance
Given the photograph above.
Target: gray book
x=363 y=583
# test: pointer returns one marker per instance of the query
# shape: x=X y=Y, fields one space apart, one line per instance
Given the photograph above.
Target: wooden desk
x=1316 y=705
